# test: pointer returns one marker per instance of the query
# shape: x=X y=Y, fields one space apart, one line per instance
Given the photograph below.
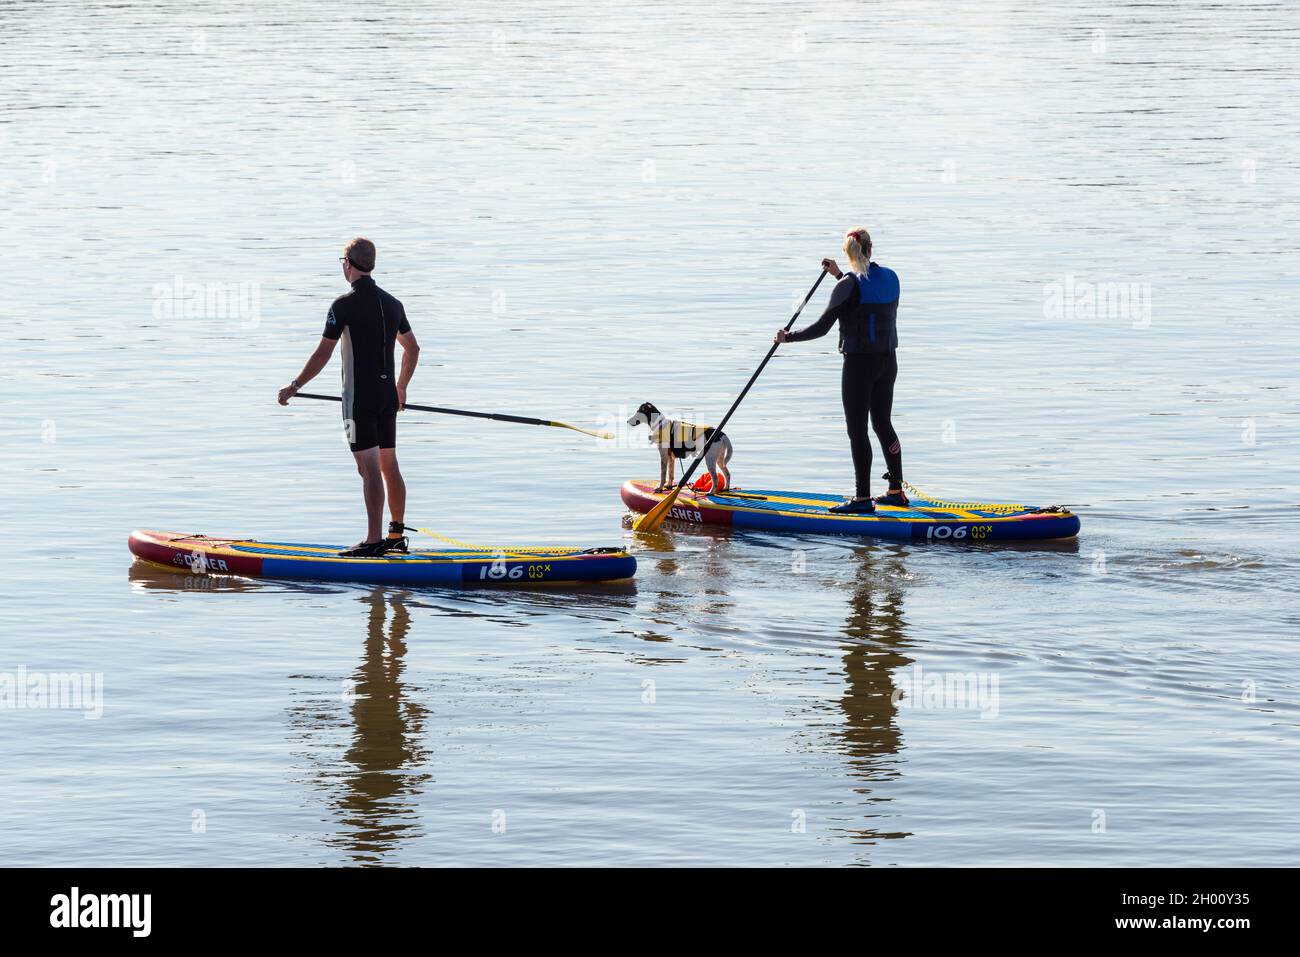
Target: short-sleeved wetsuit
x=368 y=321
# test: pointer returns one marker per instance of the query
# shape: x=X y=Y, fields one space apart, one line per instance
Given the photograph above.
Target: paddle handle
x=748 y=385
x=499 y=417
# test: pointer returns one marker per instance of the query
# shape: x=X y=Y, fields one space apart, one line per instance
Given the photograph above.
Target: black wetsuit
x=866 y=308
x=368 y=320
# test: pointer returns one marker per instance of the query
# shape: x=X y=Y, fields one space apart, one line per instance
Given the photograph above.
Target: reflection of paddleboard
x=200 y=554
x=925 y=519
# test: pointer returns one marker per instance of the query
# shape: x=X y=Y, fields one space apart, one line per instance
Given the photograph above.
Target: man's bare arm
x=410 y=356
x=317 y=361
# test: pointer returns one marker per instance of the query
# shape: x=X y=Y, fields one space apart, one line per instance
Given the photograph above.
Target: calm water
x=582 y=212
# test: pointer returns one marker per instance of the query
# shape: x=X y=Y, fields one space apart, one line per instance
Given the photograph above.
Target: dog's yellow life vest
x=680 y=437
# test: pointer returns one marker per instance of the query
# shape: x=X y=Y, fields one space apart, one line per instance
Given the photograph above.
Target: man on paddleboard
x=865 y=303
x=368 y=321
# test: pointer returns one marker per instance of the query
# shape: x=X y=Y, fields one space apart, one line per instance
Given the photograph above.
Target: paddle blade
x=597 y=433
x=652 y=519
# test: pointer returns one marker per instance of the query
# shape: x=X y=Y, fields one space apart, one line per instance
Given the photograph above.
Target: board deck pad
x=925 y=519
x=208 y=555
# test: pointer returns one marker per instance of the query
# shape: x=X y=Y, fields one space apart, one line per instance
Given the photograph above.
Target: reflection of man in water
x=385 y=736
x=877 y=636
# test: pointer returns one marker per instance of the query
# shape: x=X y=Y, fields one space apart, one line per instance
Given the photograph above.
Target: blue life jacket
x=870 y=324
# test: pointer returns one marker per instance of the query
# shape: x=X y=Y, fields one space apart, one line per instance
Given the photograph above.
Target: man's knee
x=368 y=466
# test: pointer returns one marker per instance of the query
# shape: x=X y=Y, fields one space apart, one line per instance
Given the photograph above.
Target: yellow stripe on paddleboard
x=884 y=512
x=889 y=511
x=310 y=553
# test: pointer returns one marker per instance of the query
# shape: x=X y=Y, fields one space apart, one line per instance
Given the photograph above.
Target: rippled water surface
x=584 y=207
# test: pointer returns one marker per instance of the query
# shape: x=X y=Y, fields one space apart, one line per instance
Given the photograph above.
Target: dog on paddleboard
x=676 y=439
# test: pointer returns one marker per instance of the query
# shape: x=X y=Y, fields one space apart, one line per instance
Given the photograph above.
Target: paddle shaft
x=745 y=391
x=522 y=420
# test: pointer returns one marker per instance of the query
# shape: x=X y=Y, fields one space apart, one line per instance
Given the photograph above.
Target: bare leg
x=395 y=484
x=372 y=487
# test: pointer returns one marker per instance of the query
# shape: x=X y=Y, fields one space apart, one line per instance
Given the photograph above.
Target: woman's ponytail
x=857 y=246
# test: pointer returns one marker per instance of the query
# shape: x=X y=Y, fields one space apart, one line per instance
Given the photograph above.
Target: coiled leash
x=999 y=508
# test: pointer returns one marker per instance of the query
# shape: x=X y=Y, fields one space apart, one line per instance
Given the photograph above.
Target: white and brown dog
x=676 y=440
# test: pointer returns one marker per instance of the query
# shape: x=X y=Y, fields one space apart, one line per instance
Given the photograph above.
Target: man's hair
x=361 y=253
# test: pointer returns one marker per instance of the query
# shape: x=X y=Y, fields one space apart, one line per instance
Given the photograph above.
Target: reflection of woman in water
x=876 y=636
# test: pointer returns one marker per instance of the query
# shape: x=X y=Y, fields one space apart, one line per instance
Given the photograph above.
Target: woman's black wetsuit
x=866 y=307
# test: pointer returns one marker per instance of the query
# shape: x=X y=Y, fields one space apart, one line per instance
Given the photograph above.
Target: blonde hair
x=857 y=246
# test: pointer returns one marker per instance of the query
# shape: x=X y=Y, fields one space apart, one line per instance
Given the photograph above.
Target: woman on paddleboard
x=865 y=304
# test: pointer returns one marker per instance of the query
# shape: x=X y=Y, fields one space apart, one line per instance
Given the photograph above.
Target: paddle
x=522 y=420
x=655 y=517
